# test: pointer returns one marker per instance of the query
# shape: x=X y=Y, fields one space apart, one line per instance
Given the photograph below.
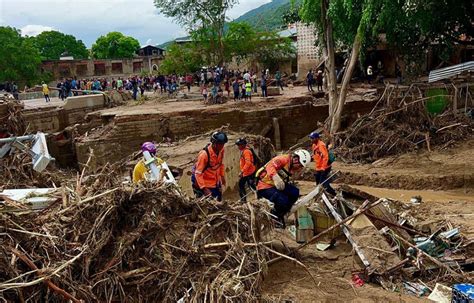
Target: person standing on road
x=236 y=88
x=370 y=74
x=134 y=82
x=323 y=163
x=45 y=89
x=319 y=80
x=248 y=90
x=278 y=79
x=310 y=80
x=263 y=85
x=208 y=174
x=189 y=82
x=247 y=168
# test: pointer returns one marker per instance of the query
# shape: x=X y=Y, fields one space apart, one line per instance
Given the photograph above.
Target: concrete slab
x=84 y=101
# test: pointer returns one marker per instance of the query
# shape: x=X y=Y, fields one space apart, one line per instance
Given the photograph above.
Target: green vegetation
x=410 y=26
x=205 y=19
x=239 y=42
x=181 y=59
x=52 y=44
x=114 y=45
x=19 y=58
x=270 y=16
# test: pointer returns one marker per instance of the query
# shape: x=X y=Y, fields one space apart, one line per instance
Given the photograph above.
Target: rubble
x=105 y=241
x=399 y=128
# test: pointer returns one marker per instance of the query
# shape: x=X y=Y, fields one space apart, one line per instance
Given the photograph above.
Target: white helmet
x=304 y=155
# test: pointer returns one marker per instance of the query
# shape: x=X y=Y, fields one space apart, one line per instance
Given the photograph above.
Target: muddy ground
x=443 y=178
x=442 y=169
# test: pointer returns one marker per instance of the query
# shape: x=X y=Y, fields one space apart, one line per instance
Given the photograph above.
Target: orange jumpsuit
x=271 y=169
x=246 y=163
x=209 y=177
x=320 y=156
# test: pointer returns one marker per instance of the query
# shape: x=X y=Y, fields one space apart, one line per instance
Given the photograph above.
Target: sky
x=89 y=19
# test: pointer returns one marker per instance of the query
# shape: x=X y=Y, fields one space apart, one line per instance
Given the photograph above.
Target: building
x=150 y=50
x=105 y=68
x=308 y=54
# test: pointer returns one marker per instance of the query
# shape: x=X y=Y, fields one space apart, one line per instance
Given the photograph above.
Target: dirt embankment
x=438 y=170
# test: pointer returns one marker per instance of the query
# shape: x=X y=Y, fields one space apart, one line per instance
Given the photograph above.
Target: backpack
x=332 y=156
x=257 y=162
x=193 y=169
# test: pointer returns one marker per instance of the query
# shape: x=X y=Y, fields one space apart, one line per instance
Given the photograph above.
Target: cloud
x=91 y=18
x=34 y=29
x=148 y=42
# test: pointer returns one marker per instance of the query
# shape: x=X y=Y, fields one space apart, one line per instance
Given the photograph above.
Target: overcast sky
x=89 y=19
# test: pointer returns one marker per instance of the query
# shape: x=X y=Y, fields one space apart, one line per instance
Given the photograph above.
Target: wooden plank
x=379 y=212
x=346 y=231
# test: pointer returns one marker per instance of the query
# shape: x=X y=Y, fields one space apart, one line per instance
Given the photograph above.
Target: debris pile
x=17 y=172
x=391 y=130
x=395 y=251
x=11 y=116
x=103 y=241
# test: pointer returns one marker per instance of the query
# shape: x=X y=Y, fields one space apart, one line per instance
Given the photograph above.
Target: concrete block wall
x=127 y=133
x=307 y=51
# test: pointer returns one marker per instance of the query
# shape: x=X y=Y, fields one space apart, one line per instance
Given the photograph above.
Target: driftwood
x=364 y=207
x=137 y=244
x=391 y=129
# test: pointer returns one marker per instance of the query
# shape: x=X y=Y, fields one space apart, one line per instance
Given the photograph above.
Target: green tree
x=197 y=14
x=240 y=41
x=182 y=59
x=115 y=45
x=415 y=27
x=347 y=23
x=52 y=44
x=19 y=58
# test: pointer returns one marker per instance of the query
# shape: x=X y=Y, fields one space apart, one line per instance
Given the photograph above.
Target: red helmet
x=149 y=147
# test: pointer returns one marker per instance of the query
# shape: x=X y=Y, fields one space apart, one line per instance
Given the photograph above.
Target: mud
x=334 y=267
x=438 y=170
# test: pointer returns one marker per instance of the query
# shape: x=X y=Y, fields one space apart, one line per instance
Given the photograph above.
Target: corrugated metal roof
x=450 y=71
x=287 y=33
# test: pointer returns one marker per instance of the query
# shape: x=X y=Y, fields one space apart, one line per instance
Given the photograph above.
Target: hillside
x=268 y=16
x=265 y=17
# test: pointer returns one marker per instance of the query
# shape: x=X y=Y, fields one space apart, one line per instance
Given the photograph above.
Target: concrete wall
x=37 y=95
x=307 y=51
x=51 y=120
x=103 y=68
x=126 y=133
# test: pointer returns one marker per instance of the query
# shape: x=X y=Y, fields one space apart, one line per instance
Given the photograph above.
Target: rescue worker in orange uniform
x=208 y=173
x=273 y=181
x=323 y=165
x=247 y=168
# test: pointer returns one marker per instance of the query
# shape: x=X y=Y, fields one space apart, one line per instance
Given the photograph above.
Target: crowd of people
x=271 y=180
x=213 y=83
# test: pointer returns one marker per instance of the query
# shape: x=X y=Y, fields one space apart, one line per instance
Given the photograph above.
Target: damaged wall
x=123 y=135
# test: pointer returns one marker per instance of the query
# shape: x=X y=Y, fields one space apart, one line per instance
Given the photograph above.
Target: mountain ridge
x=266 y=17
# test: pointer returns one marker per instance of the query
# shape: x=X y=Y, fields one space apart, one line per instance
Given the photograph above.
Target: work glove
x=279 y=184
